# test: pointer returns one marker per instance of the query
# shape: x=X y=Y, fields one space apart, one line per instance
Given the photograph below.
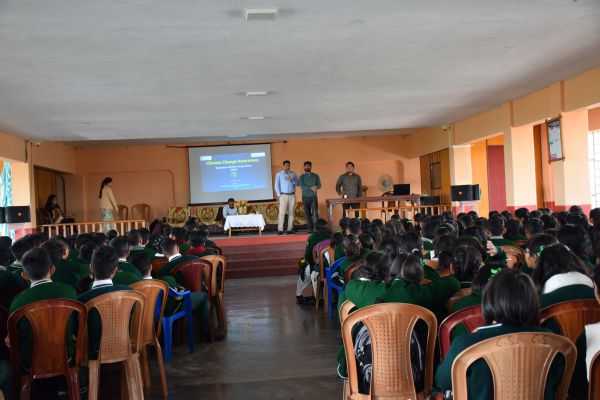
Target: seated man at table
x=229 y=208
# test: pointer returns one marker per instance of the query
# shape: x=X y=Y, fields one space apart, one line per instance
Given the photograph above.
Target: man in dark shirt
x=310 y=183
x=349 y=186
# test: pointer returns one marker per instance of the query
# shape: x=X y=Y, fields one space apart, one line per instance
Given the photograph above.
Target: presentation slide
x=220 y=172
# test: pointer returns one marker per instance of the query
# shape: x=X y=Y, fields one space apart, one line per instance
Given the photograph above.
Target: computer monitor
x=402 y=189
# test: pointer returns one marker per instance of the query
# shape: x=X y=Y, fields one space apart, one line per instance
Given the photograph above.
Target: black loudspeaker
x=17 y=214
x=402 y=189
x=465 y=193
x=430 y=200
x=2 y=217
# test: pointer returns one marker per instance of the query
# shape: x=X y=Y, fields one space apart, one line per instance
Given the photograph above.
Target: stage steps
x=271 y=255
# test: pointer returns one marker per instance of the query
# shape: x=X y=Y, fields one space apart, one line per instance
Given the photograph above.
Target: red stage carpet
x=272 y=255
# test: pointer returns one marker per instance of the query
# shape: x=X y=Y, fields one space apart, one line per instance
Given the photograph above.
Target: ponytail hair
x=105 y=182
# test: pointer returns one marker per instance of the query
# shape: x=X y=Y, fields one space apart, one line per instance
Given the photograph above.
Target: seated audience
x=68 y=271
x=121 y=246
x=510 y=305
x=171 y=251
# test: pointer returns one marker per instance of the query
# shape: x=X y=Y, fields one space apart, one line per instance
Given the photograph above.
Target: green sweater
x=479 y=380
x=70 y=272
x=308 y=180
x=566 y=293
x=313 y=239
x=129 y=268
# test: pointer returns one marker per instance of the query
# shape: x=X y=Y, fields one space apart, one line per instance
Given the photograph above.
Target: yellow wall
x=480 y=174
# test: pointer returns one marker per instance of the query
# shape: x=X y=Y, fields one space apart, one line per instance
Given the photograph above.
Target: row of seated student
x=429 y=261
x=83 y=267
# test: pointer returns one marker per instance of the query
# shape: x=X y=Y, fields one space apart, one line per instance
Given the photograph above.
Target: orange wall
x=158 y=175
x=480 y=174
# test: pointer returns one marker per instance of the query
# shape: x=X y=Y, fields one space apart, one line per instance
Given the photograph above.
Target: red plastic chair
x=470 y=317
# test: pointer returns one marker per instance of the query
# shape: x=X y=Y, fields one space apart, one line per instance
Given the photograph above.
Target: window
x=594 y=165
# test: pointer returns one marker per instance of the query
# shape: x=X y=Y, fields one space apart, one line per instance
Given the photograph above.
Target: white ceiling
x=155 y=69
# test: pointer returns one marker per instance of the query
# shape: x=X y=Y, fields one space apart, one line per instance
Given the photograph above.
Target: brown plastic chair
x=321 y=289
x=390 y=327
x=572 y=316
x=345 y=309
x=49 y=321
x=153 y=291
x=158 y=263
x=123 y=212
x=350 y=270
x=140 y=211
x=195 y=274
x=217 y=292
x=519 y=364
x=470 y=317
x=594 y=388
x=121 y=315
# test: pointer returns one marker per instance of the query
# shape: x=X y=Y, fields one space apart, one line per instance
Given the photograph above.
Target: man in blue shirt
x=285 y=188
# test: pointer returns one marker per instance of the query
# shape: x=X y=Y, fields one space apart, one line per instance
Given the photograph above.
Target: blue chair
x=168 y=321
x=333 y=286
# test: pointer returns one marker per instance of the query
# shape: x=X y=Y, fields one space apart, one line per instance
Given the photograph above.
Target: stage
x=268 y=255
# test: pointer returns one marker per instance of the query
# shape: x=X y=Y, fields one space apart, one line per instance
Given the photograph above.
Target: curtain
x=6 y=194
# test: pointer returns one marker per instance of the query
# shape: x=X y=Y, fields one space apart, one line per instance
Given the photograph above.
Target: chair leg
x=318 y=294
x=133 y=377
x=145 y=365
x=221 y=316
x=94 y=379
x=325 y=295
x=73 y=384
x=161 y=368
x=167 y=333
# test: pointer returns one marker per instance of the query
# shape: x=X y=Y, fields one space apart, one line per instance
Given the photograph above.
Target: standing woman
x=108 y=204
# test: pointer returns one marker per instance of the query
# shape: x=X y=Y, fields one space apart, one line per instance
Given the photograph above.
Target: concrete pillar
x=519 y=162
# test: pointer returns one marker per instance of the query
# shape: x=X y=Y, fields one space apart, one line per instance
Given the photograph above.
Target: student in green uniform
x=510 y=305
x=181 y=237
x=19 y=248
x=533 y=227
x=466 y=261
x=352 y=252
x=577 y=238
x=121 y=246
x=67 y=271
x=38 y=270
x=497 y=230
x=104 y=268
x=561 y=276
x=320 y=234
x=534 y=248
x=514 y=231
x=171 y=251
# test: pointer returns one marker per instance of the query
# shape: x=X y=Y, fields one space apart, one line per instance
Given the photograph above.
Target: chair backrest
x=193 y=273
x=121 y=315
x=345 y=310
x=155 y=298
x=390 y=327
x=457 y=296
x=123 y=211
x=350 y=270
x=158 y=263
x=470 y=317
x=50 y=322
x=140 y=211
x=330 y=253
x=572 y=316
x=594 y=388
x=217 y=281
x=519 y=364
x=318 y=248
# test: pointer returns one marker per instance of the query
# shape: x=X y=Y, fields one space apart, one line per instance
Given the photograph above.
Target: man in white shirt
x=285 y=188
x=229 y=209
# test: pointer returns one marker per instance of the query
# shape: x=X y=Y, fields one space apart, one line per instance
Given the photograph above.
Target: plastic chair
x=332 y=286
x=155 y=292
x=169 y=321
x=140 y=211
x=390 y=327
x=350 y=270
x=121 y=315
x=345 y=309
x=572 y=316
x=519 y=364
x=217 y=292
x=123 y=212
x=464 y=292
x=594 y=388
x=158 y=263
x=196 y=276
x=50 y=321
x=328 y=253
x=470 y=317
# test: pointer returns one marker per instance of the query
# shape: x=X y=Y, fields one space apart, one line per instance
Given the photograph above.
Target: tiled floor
x=274 y=350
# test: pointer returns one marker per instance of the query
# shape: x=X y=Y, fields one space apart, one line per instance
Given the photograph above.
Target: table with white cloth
x=245 y=222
